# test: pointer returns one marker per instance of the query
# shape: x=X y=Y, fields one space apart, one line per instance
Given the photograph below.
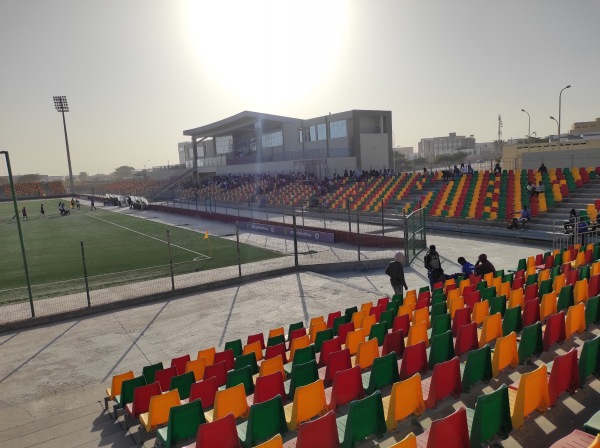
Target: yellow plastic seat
x=353 y=339
x=316 y=320
x=491 y=330
x=580 y=291
x=309 y=402
x=158 y=411
x=548 y=305
x=410 y=441
x=406 y=399
x=575 y=321
x=480 y=311
x=276 y=332
x=275 y=442
x=453 y=294
x=366 y=353
x=117 y=383
x=516 y=298
x=532 y=394
x=272 y=365
x=504 y=290
x=314 y=329
x=231 y=400
x=422 y=315
x=197 y=366
x=558 y=282
x=407 y=308
x=417 y=333
x=208 y=354
x=505 y=353
x=368 y=322
x=298 y=343
x=255 y=348
x=357 y=318
x=488 y=278
x=456 y=304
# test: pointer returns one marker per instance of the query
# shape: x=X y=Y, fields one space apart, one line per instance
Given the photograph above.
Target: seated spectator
x=530 y=189
x=524 y=218
x=541 y=188
x=467 y=268
x=484 y=266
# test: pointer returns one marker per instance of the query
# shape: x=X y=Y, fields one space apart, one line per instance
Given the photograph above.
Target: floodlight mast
x=61 y=105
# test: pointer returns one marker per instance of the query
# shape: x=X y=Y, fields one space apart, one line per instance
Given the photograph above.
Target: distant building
x=437 y=146
x=407 y=151
x=586 y=127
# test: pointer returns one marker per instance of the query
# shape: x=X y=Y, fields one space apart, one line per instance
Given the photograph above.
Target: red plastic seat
x=564 y=376
x=466 y=339
x=414 y=360
x=425 y=303
x=219 y=371
x=269 y=386
x=449 y=432
x=572 y=277
x=295 y=335
x=164 y=377
x=383 y=301
x=276 y=350
x=180 y=363
x=221 y=433
x=141 y=399
x=462 y=316
x=344 y=329
x=531 y=292
x=518 y=283
x=594 y=286
x=444 y=381
x=347 y=386
x=531 y=312
x=205 y=390
x=337 y=362
x=555 y=329
x=393 y=342
x=376 y=311
x=333 y=316
x=227 y=357
x=401 y=323
x=330 y=346
x=320 y=432
x=472 y=298
x=424 y=295
x=257 y=337
x=468 y=289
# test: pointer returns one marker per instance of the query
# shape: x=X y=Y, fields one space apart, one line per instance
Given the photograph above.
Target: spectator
x=542 y=169
x=395 y=271
x=582 y=229
x=570 y=224
x=530 y=189
x=433 y=265
x=467 y=268
x=484 y=266
x=497 y=169
x=541 y=188
x=524 y=218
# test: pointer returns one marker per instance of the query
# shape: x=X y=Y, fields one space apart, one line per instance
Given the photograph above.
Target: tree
x=83 y=176
x=123 y=171
x=30 y=178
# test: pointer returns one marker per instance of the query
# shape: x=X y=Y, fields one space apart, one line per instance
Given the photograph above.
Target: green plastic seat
x=477 y=368
x=591 y=311
x=348 y=312
x=441 y=324
x=321 y=337
x=236 y=346
x=558 y=260
x=183 y=423
x=339 y=321
x=565 y=298
x=302 y=374
x=531 y=342
x=438 y=298
x=592 y=426
x=438 y=309
x=243 y=375
x=589 y=359
x=423 y=289
x=387 y=317
x=554 y=272
x=481 y=286
x=378 y=331
x=276 y=340
x=384 y=372
x=508 y=278
x=490 y=417
x=438 y=291
x=442 y=348
x=149 y=372
x=365 y=417
x=512 y=321
x=127 y=389
x=522 y=265
x=295 y=326
x=584 y=272
x=397 y=297
x=498 y=305
x=265 y=420
x=500 y=273
x=393 y=306
x=301 y=356
x=183 y=383
x=531 y=279
x=545 y=288
x=249 y=359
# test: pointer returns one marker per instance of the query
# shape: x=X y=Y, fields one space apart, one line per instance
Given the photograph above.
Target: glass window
x=272 y=139
x=337 y=129
x=322 y=131
x=312 y=133
x=224 y=144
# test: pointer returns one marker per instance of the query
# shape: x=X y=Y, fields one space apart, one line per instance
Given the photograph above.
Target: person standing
x=42 y=211
x=93 y=207
x=433 y=264
x=395 y=272
x=24 y=212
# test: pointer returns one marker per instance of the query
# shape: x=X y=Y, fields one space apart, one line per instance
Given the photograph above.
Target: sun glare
x=267 y=52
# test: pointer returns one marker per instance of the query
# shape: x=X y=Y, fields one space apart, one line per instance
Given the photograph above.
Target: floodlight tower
x=61 y=105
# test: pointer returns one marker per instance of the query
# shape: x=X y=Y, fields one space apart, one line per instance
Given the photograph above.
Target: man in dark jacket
x=433 y=264
x=395 y=271
x=484 y=266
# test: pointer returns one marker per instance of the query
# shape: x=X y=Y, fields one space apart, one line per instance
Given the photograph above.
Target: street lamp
x=558 y=127
x=61 y=105
x=529 y=123
x=559 y=110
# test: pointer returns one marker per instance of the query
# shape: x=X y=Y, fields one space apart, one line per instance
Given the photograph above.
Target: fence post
x=237 y=237
x=358 y=233
x=267 y=210
x=295 y=241
x=85 y=276
x=382 y=224
x=349 y=219
x=196 y=198
x=302 y=215
x=406 y=244
x=170 y=261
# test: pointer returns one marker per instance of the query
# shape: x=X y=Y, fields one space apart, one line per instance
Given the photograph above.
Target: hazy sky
x=139 y=72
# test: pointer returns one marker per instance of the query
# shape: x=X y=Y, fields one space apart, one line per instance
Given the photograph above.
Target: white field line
x=205 y=257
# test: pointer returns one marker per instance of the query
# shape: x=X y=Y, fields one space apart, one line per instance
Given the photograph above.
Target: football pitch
x=118 y=249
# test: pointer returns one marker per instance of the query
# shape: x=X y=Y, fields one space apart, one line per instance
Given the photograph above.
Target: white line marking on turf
x=148 y=236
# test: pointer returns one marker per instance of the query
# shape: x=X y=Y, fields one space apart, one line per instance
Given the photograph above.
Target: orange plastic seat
x=422 y=315
x=417 y=333
x=516 y=298
x=455 y=304
x=505 y=353
x=463 y=284
x=407 y=308
x=254 y=347
x=491 y=330
x=316 y=320
x=309 y=402
x=197 y=366
x=579 y=259
x=158 y=411
x=496 y=283
x=315 y=328
x=453 y=294
x=480 y=311
x=232 y=400
x=595 y=269
x=357 y=318
x=504 y=289
x=548 y=305
x=366 y=353
x=274 y=442
x=208 y=354
x=298 y=343
x=116 y=385
x=276 y=332
x=544 y=274
x=368 y=322
x=558 y=282
x=531 y=394
x=353 y=339
x=580 y=292
x=410 y=441
x=406 y=399
x=488 y=278
x=410 y=294
x=272 y=365
x=575 y=322
x=366 y=307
